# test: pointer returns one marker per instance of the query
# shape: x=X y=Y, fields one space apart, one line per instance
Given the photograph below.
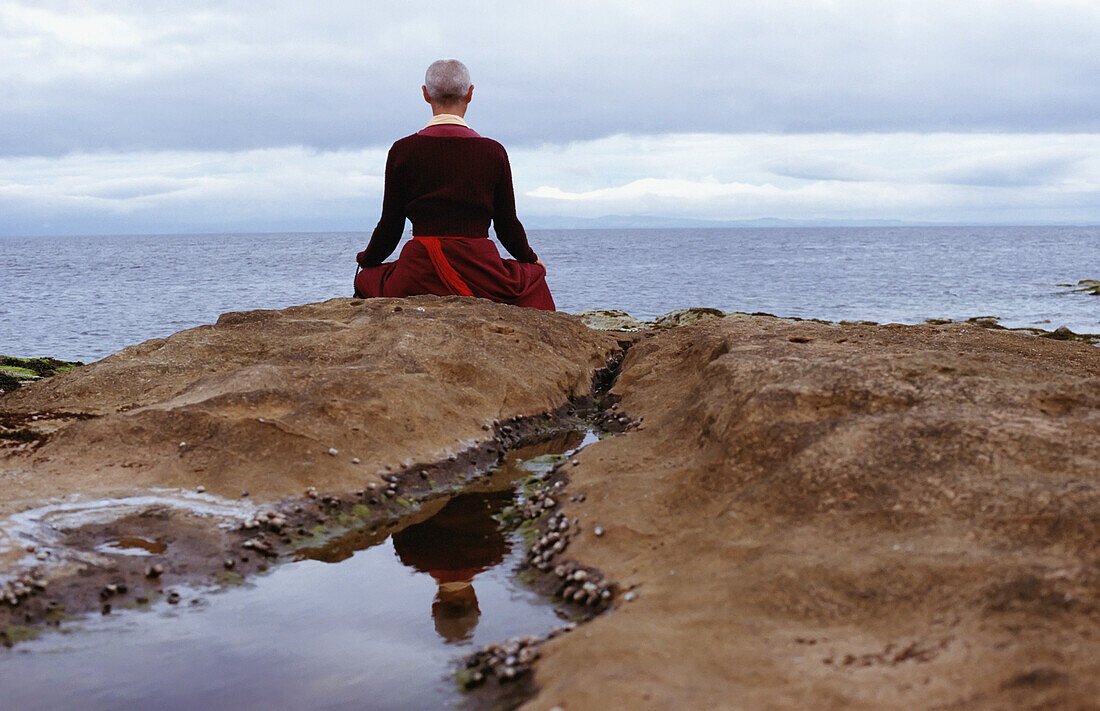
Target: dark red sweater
x=448 y=181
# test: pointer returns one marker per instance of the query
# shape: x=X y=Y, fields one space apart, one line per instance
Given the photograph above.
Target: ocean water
x=82 y=298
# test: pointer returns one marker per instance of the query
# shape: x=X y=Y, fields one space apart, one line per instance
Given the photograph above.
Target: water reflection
x=343 y=623
x=453 y=546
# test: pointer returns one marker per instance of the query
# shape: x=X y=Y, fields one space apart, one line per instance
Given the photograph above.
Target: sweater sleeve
x=507 y=225
x=387 y=233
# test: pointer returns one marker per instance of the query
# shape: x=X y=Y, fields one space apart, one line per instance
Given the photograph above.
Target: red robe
x=451 y=183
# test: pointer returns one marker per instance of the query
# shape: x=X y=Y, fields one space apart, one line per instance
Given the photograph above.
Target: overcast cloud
x=132 y=116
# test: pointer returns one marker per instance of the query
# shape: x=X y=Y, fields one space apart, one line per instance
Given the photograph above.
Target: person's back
x=451 y=183
x=452 y=180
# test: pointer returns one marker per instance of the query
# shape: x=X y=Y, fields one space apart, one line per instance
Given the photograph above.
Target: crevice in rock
x=499 y=675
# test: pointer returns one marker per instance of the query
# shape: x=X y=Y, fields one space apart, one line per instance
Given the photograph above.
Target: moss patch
x=1059 y=334
x=38 y=367
x=8 y=382
x=58 y=616
x=1086 y=286
x=22 y=372
x=529 y=531
x=229 y=579
x=17 y=633
x=509 y=517
x=15 y=371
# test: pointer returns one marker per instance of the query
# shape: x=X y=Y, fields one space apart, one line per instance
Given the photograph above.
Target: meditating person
x=451 y=183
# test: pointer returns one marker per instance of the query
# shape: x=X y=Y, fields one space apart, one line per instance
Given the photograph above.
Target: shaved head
x=447 y=81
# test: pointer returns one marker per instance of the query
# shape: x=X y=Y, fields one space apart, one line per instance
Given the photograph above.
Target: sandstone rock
x=610 y=320
x=813 y=516
x=615 y=320
x=260 y=397
x=683 y=317
x=824 y=516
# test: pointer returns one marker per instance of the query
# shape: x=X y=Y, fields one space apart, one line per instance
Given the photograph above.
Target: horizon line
x=687 y=224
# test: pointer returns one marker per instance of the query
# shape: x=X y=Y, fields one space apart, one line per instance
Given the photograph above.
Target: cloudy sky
x=138 y=116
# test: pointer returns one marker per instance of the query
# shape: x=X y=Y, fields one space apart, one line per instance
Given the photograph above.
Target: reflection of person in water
x=453 y=546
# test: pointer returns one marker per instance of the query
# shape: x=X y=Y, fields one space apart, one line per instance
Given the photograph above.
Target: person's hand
x=539 y=262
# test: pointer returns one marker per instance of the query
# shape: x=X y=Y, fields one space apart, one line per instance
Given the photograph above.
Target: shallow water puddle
x=134 y=545
x=52 y=529
x=359 y=623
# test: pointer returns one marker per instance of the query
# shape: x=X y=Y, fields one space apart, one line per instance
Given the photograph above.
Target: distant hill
x=643 y=221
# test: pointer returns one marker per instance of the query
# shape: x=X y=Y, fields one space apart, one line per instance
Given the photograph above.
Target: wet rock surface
x=1061 y=333
x=822 y=516
x=1087 y=286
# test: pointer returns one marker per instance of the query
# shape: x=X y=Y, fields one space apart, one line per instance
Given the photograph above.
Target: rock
x=922 y=499
x=610 y=320
x=315 y=373
x=782 y=462
x=991 y=322
x=8 y=382
x=683 y=317
x=615 y=320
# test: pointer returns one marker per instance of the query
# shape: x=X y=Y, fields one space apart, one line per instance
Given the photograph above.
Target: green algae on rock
x=1061 y=333
x=1089 y=286
x=28 y=368
x=14 y=371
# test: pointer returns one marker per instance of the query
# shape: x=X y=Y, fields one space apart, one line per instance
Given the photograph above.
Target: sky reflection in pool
x=369 y=631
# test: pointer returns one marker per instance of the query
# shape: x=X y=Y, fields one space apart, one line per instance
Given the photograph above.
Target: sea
x=83 y=298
